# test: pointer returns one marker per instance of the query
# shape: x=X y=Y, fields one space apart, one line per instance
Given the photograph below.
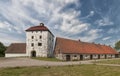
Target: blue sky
x=88 y=20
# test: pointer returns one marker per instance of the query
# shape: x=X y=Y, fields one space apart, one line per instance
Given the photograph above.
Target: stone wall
x=74 y=57
x=46 y=39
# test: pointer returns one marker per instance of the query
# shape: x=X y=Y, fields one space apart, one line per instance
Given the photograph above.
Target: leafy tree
x=117 y=45
x=2 y=50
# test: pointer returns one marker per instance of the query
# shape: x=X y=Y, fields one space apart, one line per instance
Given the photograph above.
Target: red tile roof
x=40 y=27
x=16 y=48
x=72 y=46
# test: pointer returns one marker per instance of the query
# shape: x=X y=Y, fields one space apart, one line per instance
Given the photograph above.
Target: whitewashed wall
x=15 y=55
x=86 y=56
x=46 y=40
x=113 y=56
x=102 y=56
x=95 y=56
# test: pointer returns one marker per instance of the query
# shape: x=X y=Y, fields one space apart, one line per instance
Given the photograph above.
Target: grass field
x=115 y=61
x=45 y=59
x=78 y=70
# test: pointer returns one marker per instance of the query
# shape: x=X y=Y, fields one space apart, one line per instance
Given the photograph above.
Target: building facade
x=16 y=50
x=67 y=49
x=39 y=41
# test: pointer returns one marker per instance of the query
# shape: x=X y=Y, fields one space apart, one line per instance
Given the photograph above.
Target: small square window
x=32 y=44
x=39 y=44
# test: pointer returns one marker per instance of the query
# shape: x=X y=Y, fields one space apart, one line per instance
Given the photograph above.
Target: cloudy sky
x=88 y=20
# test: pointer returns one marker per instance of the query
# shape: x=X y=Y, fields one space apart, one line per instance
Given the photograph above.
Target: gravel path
x=21 y=62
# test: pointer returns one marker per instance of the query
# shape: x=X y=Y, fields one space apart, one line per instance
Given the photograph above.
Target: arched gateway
x=33 y=53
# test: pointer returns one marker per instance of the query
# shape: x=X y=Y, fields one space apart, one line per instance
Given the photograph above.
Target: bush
x=2 y=50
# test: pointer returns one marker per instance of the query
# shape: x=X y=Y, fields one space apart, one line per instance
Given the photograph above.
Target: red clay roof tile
x=72 y=46
x=16 y=48
x=39 y=28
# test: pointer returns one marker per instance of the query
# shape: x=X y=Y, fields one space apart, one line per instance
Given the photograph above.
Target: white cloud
x=71 y=24
x=104 y=22
x=89 y=15
x=91 y=35
x=6 y=26
x=106 y=38
x=111 y=31
x=48 y=11
x=17 y=13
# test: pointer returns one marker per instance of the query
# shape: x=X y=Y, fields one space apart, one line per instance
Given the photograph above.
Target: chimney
x=41 y=24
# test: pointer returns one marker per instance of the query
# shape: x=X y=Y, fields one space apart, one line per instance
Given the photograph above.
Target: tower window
x=40 y=37
x=39 y=44
x=32 y=44
x=32 y=37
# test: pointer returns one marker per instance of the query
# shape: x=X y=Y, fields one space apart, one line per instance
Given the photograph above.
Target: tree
x=117 y=45
x=2 y=50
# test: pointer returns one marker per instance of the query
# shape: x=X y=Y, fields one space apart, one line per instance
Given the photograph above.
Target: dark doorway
x=105 y=56
x=67 y=57
x=98 y=56
x=33 y=54
x=81 y=57
x=116 y=55
x=91 y=56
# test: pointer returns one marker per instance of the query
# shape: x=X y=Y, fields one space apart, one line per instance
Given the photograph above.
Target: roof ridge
x=67 y=39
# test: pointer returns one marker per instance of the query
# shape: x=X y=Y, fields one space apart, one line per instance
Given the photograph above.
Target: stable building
x=67 y=49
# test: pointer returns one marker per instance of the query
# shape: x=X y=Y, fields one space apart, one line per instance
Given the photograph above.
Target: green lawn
x=115 y=61
x=45 y=59
x=75 y=70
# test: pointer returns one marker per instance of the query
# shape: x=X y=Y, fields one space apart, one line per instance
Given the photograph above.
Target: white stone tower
x=39 y=41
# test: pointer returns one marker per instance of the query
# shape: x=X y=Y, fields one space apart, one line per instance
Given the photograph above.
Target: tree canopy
x=2 y=49
x=117 y=45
